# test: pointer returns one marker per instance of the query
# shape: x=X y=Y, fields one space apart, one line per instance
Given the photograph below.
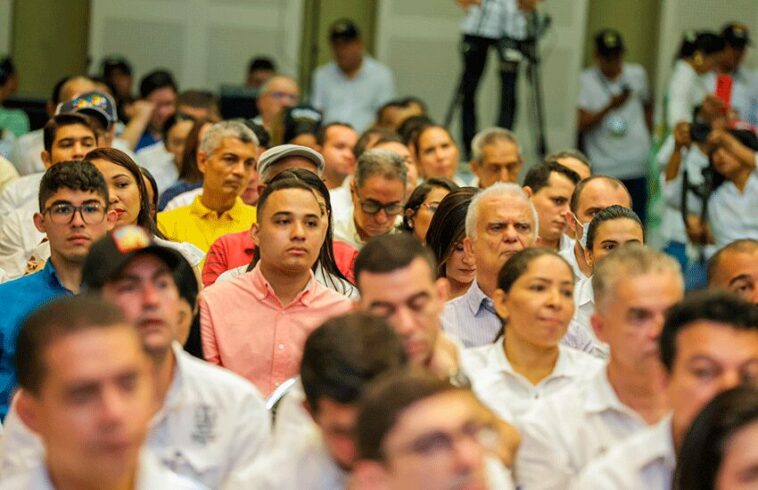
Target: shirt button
x=281 y=346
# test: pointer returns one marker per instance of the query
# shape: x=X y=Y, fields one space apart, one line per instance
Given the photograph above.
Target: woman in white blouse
x=535 y=299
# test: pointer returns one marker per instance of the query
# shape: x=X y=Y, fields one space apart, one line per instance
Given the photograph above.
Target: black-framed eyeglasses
x=63 y=213
x=373 y=207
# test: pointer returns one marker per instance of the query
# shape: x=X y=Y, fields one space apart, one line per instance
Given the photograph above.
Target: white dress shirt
x=342 y=202
x=18 y=239
x=564 y=432
x=212 y=424
x=568 y=254
x=509 y=394
x=733 y=214
x=26 y=151
x=151 y=475
x=645 y=461
x=20 y=192
x=160 y=163
x=584 y=301
x=183 y=199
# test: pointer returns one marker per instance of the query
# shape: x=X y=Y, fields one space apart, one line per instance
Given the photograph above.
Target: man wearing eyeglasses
x=416 y=431
x=73 y=201
x=278 y=93
x=378 y=194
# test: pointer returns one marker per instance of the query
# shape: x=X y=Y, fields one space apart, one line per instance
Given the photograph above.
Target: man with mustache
x=226 y=157
x=73 y=203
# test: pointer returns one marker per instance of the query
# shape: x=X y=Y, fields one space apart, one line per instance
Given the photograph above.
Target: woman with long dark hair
x=445 y=237
x=422 y=204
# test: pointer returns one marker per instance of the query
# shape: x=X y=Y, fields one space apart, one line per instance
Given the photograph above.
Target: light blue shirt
x=471 y=318
x=20 y=298
x=352 y=100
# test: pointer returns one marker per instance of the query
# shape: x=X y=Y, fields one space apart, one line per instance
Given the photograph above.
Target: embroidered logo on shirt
x=205 y=425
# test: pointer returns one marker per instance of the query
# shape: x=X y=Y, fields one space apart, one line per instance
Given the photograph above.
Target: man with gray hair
x=226 y=158
x=573 y=159
x=500 y=222
x=634 y=287
x=277 y=93
x=378 y=194
x=495 y=157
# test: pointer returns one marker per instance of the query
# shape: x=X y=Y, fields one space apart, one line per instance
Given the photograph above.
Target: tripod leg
x=474 y=50
x=508 y=96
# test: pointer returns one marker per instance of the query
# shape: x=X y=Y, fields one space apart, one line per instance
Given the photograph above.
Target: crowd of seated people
x=325 y=296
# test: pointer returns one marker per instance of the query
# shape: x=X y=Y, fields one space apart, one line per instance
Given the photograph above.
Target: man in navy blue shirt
x=73 y=203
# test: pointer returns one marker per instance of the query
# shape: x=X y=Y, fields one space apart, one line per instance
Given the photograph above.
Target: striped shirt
x=494 y=19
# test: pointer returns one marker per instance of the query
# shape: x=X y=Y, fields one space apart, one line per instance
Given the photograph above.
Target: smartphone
x=724 y=89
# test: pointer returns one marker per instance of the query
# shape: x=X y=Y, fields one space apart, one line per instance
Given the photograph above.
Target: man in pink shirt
x=256 y=324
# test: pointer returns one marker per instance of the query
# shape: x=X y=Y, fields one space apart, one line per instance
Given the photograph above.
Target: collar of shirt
x=584 y=294
x=659 y=445
x=262 y=289
x=566 y=243
x=50 y=277
x=233 y=214
x=476 y=300
x=563 y=366
x=602 y=397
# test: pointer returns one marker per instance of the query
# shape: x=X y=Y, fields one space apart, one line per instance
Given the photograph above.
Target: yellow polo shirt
x=201 y=226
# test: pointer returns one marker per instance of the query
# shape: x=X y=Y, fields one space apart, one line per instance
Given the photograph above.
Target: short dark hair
x=746 y=245
x=60 y=120
x=703 y=448
x=388 y=253
x=713 y=306
x=362 y=144
x=448 y=226
x=155 y=80
x=53 y=321
x=261 y=63
x=386 y=400
x=343 y=355
x=418 y=195
x=77 y=175
x=264 y=138
x=519 y=263
x=412 y=125
x=203 y=99
x=538 y=177
x=55 y=96
x=577 y=194
x=7 y=69
x=321 y=133
x=611 y=213
x=570 y=153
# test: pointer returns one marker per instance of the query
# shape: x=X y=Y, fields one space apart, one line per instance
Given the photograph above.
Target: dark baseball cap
x=97 y=104
x=736 y=35
x=344 y=30
x=609 y=42
x=108 y=256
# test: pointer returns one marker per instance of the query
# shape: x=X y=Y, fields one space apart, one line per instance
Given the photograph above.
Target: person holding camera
x=614 y=115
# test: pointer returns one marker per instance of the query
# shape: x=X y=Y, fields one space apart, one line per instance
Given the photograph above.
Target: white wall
x=203 y=42
x=680 y=15
x=419 y=40
x=6 y=10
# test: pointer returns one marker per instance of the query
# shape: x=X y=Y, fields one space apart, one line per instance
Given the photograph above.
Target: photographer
x=685 y=151
x=723 y=208
x=614 y=117
x=488 y=23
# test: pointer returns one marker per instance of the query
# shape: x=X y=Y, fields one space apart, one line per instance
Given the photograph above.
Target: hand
x=143 y=109
x=619 y=99
x=682 y=135
x=712 y=107
x=468 y=3
x=444 y=361
x=699 y=232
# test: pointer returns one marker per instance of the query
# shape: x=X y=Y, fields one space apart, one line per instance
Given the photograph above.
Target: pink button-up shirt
x=246 y=329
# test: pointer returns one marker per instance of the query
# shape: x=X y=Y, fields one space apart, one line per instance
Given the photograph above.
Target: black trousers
x=475 y=50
